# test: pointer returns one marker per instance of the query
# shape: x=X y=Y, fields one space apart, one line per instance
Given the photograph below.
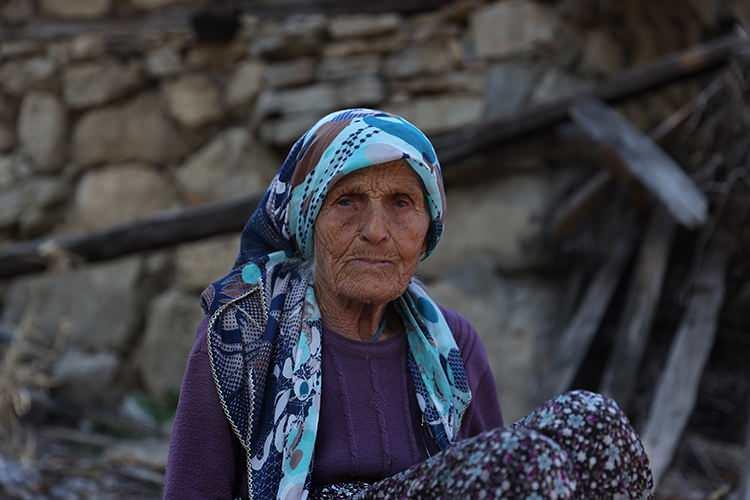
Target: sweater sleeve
x=202 y=452
x=484 y=412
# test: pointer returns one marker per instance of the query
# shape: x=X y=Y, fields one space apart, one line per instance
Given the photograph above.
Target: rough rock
x=19 y=48
x=136 y=131
x=229 y=166
x=296 y=36
x=509 y=86
x=170 y=332
x=422 y=59
x=506 y=28
x=153 y=4
x=363 y=91
x=17 y=11
x=363 y=25
x=85 y=378
x=76 y=8
x=41 y=130
x=98 y=82
x=285 y=130
x=602 y=56
x=500 y=219
x=245 y=83
x=14 y=168
x=304 y=25
x=18 y=77
x=338 y=67
x=319 y=97
x=150 y=453
x=215 y=57
x=199 y=264
x=515 y=318
x=42 y=197
x=474 y=82
x=557 y=85
x=60 y=306
x=290 y=73
x=120 y=193
x=163 y=61
x=276 y=47
x=377 y=45
x=30 y=200
x=87 y=46
x=193 y=100
x=441 y=113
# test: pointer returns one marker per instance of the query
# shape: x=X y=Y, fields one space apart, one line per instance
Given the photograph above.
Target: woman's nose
x=375 y=225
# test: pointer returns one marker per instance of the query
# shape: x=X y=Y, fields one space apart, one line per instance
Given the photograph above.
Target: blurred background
x=562 y=238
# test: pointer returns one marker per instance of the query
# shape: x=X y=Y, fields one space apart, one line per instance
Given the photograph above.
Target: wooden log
x=577 y=337
x=643 y=160
x=678 y=387
x=633 y=332
x=167 y=228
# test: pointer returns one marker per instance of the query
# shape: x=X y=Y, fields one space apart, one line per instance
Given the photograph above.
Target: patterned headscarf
x=264 y=328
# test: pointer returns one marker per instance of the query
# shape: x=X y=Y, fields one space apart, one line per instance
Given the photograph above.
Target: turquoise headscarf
x=264 y=330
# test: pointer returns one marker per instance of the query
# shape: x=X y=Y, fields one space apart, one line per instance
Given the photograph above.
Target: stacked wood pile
x=675 y=203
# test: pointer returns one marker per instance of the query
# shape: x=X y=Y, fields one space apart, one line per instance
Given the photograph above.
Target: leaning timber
x=576 y=339
x=640 y=308
x=642 y=159
x=678 y=387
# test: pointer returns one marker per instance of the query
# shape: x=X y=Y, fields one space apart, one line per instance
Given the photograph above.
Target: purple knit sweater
x=369 y=428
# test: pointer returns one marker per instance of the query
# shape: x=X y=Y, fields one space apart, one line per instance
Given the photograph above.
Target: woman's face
x=370 y=234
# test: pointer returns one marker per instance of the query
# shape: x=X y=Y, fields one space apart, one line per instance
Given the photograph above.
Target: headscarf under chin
x=264 y=330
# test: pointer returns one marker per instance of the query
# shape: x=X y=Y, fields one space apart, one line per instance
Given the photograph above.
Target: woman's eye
x=344 y=202
x=403 y=202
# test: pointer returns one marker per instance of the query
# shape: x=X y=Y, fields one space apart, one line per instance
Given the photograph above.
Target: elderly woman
x=323 y=369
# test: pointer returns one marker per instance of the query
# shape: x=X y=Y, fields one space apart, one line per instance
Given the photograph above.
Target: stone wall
x=98 y=130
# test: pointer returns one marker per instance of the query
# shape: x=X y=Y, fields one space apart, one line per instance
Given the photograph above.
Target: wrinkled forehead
x=386 y=178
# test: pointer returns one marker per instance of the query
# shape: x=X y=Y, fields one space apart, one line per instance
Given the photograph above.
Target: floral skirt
x=579 y=445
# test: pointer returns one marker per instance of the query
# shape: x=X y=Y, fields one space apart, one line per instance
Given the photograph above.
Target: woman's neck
x=350 y=318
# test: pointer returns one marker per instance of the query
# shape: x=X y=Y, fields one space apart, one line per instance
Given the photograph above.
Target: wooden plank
x=644 y=160
x=167 y=228
x=678 y=387
x=640 y=307
x=577 y=337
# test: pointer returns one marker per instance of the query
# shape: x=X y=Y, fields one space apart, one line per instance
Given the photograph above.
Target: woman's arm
x=202 y=450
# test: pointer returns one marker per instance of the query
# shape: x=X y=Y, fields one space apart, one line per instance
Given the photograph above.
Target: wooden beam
x=576 y=339
x=667 y=70
x=643 y=160
x=677 y=389
x=165 y=229
x=640 y=307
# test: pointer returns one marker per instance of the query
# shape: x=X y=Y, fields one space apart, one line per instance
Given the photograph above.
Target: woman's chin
x=369 y=292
